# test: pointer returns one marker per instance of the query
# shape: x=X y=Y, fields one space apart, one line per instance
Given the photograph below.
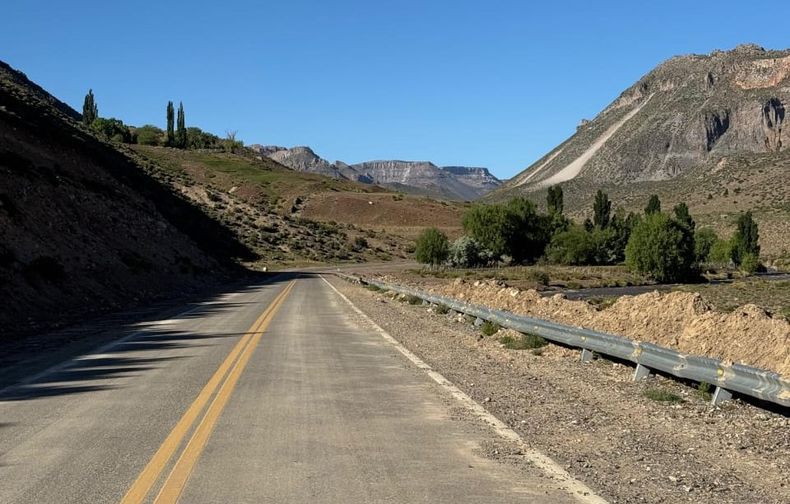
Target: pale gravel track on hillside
x=594 y=420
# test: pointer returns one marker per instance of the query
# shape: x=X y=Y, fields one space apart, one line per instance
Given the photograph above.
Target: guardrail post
x=587 y=355
x=719 y=396
x=479 y=322
x=641 y=372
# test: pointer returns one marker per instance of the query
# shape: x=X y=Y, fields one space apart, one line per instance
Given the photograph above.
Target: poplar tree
x=171 y=136
x=181 y=129
x=90 y=112
x=602 y=210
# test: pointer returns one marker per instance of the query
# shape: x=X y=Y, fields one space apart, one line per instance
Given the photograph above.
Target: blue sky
x=496 y=83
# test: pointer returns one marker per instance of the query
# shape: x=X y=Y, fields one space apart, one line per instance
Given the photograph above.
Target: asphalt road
x=277 y=393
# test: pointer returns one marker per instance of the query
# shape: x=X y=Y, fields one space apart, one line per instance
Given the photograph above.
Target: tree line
x=666 y=246
x=176 y=134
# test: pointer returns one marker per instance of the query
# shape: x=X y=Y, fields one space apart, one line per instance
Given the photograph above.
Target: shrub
x=432 y=247
x=720 y=252
x=704 y=240
x=662 y=395
x=113 y=129
x=489 y=328
x=523 y=342
x=572 y=247
x=149 y=135
x=360 y=244
x=466 y=252
x=750 y=263
x=661 y=248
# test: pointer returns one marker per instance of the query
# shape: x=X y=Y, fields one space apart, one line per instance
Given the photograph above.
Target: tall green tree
x=653 y=205
x=181 y=129
x=683 y=216
x=602 y=209
x=745 y=241
x=171 y=135
x=554 y=200
x=90 y=111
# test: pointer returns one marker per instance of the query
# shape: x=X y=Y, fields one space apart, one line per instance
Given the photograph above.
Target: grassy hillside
x=288 y=216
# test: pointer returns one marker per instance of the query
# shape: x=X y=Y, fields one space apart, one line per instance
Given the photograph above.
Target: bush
x=113 y=129
x=662 y=395
x=704 y=240
x=572 y=247
x=750 y=263
x=720 y=252
x=523 y=342
x=432 y=247
x=149 y=135
x=466 y=252
x=514 y=229
x=489 y=328
x=661 y=248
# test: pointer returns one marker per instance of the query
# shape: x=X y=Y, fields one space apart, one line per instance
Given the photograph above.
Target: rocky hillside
x=686 y=111
x=83 y=226
x=708 y=129
x=417 y=177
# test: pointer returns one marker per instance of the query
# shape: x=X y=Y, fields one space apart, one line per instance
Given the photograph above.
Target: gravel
x=594 y=420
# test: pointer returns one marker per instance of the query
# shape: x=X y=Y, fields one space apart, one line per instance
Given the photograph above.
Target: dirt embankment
x=681 y=320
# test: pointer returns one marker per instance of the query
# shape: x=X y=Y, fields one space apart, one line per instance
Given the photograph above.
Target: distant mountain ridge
x=421 y=177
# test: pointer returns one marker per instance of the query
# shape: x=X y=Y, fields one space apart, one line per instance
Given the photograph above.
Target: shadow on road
x=146 y=340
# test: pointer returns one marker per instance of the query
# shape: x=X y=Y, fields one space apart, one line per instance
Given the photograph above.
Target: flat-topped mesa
x=420 y=177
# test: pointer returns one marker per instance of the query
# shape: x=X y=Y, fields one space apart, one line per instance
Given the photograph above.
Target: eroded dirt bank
x=680 y=320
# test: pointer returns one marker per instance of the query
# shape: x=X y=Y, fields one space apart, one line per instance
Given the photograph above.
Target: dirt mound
x=680 y=320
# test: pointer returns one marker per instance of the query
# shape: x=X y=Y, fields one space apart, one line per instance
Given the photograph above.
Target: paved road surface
x=275 y=393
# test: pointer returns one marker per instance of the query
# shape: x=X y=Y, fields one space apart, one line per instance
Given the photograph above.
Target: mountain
x=686 y=111
x=707 y=129
x=418 y=177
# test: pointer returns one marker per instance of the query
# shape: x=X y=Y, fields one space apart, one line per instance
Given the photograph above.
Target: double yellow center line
x=226 y=377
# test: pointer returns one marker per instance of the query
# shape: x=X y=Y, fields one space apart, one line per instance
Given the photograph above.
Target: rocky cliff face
x=686 y=112
x=422 y=177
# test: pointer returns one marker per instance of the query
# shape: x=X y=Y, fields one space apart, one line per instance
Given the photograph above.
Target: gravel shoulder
x=593 y=420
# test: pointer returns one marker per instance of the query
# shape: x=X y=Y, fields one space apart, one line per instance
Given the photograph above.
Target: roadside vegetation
x=664 y=247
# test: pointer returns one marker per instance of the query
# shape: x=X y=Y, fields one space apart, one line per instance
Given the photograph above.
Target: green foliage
x=704 y=240
x=602 y=209
x=514 y=229
x=523 y=342
x=661 y=248
x=171 y=135
x=199 y=139
x=90 y=111
x=683 y=216
x=149 y=135
x=745 y=241
x=750 y=263
x=181 y=129
x=489 y=328
x=114 y=129
x=554 y=200
x=661 y=395
x=490 y=226
x=432 y=247
x=529 y=231
x=653 y=205
x=572 y=247
x=466 y=252
x=720 y=252
x=230 y=144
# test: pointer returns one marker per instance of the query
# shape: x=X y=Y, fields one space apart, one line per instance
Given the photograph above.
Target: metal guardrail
x=727 y=378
